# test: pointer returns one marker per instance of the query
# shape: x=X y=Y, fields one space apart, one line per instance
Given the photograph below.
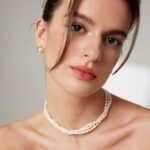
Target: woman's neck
x=70 y=111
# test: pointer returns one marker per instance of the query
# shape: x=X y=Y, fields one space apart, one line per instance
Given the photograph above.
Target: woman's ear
x=41 y=31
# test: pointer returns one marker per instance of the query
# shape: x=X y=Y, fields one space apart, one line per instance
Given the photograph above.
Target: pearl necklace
x=86 y=128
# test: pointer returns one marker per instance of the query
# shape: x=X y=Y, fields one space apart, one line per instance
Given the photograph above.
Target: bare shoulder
x=137 y=118
x=132 y=109
x=10 y=137
x=17 y=136
x=132 y=119
x=14 y=136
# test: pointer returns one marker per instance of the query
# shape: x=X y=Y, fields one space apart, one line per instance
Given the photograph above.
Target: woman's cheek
x=74 y=49
x=55 y=47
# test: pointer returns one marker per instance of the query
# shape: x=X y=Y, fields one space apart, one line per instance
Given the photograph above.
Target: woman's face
x=98 y=30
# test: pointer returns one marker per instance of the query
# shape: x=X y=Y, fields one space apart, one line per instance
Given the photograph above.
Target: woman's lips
x=84 y=73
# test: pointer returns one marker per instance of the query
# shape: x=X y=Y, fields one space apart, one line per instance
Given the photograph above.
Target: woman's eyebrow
x=81 y=16
x=116 y=32
x=91 y=22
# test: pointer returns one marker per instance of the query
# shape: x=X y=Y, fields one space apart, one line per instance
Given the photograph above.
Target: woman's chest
x=116 y=140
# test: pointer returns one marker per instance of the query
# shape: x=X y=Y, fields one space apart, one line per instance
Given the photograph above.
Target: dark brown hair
x=134 y=6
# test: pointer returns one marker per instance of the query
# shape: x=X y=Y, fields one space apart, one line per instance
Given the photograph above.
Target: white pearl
x=86 y=128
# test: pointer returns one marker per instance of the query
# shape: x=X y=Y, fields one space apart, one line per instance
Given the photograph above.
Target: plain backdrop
x=22 y=69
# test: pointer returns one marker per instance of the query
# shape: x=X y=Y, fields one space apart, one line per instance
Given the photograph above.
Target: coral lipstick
x=83 y=73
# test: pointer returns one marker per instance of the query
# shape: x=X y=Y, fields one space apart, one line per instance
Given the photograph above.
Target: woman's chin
x=82 y=90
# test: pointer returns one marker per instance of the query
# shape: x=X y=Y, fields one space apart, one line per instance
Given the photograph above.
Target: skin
x=127 y=125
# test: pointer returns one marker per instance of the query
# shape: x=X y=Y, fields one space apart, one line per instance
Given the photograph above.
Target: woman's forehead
x=105 y=9
x=114 y=13
x=110 y=11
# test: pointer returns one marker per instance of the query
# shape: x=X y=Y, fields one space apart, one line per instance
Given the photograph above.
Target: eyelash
x=77 y=27
x=113 y=41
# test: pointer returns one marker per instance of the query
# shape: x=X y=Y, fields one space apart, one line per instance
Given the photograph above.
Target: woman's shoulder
x=138 y=116
x=131 y=120
x=130 y=107
x=10 y=138
x=17 y=135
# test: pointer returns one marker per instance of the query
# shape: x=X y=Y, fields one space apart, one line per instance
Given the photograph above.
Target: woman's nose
x=93 y=48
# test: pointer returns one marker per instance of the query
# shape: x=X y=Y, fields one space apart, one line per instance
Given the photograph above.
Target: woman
x=81 y=42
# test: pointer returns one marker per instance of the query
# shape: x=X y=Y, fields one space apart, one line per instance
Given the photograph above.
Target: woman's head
x=87 y=34
x=134 y=7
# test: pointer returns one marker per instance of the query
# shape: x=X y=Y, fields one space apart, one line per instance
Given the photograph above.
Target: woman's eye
x=113 y=41
x=77 y=28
